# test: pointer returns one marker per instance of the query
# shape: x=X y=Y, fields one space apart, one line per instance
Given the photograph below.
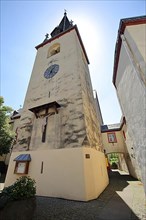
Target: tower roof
x=63 y=26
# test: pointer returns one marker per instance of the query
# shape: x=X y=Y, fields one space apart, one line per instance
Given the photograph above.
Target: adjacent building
x=116 y=144
x=129 y=79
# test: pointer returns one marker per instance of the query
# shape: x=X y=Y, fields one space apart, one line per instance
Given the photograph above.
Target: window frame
x=113 y=136
x=54 y=49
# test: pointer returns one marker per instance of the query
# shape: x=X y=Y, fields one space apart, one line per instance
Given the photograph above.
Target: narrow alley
x=123 y=199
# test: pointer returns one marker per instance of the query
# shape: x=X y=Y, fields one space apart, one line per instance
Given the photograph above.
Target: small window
x=54 y=49
x=112 y=138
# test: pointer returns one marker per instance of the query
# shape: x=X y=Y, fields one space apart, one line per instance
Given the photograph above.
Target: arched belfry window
x=54 y=49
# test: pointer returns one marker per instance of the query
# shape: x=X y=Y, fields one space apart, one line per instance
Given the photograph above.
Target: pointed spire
x=65 y=16
x=63 y=26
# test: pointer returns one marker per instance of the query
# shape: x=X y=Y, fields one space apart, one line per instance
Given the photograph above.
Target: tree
x=6 y=134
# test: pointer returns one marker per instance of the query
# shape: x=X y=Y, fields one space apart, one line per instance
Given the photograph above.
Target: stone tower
x=58 y=132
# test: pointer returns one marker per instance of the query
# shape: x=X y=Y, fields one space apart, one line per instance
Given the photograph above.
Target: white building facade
x=129 y=79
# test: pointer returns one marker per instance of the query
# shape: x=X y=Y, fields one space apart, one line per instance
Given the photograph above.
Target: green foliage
x=113 y=158
x=6 y=134
x=114 y=165
x=23 y=188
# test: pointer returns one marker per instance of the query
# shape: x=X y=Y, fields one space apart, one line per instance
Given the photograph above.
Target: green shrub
x=23 y=188
x=114 y=166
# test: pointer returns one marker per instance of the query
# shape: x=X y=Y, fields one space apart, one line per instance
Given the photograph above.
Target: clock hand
x=51 y=70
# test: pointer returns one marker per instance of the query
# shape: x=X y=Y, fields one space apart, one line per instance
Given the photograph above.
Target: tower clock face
x=51 y=71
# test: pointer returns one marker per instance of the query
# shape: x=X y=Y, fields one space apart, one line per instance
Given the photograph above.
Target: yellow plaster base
x=72 y=173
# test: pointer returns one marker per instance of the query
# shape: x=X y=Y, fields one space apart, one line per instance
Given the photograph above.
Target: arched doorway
x=117 y=160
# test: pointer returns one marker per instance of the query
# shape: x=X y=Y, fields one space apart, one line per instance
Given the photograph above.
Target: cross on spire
x=65 y=12
x=71 y=22
x=63 y=26
x=47 y=36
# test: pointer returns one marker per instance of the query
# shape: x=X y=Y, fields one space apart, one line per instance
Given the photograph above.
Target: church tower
x=58 y=139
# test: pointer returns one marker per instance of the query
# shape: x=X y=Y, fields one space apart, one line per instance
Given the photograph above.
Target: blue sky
x=24 y=25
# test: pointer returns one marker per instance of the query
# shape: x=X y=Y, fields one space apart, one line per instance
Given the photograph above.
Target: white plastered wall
x=131 y=92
